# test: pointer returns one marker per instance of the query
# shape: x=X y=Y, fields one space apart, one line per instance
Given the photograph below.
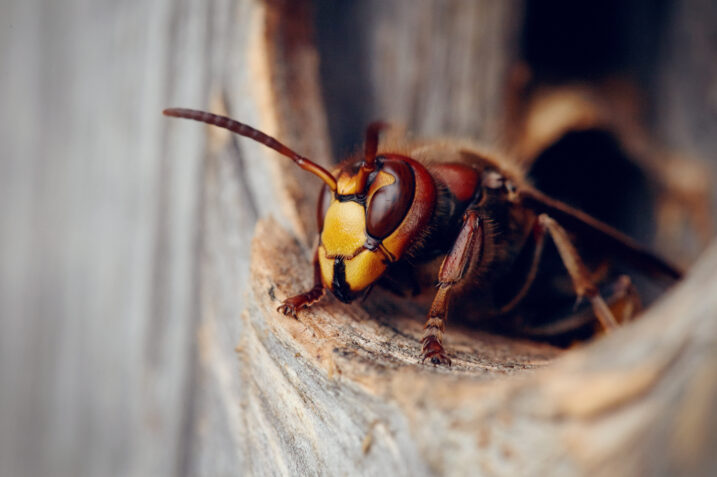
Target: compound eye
x=325 y=198
x=388 y=205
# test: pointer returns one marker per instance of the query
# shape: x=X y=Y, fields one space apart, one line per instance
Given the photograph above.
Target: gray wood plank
x=98 y=288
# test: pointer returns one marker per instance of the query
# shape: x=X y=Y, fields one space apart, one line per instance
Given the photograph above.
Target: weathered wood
x=134 y=340
x=434 y=67
x=100 y=221
x=640 y=401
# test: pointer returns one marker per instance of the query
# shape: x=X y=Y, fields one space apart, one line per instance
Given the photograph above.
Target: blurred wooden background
x=124 y=241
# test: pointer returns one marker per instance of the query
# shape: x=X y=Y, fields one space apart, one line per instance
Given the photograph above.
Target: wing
x=599 y=234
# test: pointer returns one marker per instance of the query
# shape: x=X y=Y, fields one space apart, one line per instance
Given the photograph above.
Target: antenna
x=248 y=131
x=369 y=151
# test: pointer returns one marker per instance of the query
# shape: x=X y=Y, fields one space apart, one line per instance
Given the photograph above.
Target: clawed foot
x=436 y=358
x=434 y=351
x=287 y=309
x=291 y=305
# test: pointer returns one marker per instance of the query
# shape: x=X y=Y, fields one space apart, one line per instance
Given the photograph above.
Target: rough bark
x=135 y=339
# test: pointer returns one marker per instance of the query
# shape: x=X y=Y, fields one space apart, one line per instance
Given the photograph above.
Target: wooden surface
x=134 y=340
x=100 y=226
x=639 y=402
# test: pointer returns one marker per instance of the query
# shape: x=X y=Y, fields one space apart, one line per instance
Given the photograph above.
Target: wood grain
x=603 y=409
x=136 y=340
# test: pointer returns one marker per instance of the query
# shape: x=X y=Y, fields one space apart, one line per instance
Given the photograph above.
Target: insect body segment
x=377 y=212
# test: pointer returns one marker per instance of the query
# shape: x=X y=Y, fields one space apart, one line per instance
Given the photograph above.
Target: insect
x=386 y=213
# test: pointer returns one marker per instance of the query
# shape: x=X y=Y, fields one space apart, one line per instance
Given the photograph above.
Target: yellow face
x=348 y=265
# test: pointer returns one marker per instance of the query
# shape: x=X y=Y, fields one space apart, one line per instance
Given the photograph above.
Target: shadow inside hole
x=589 y=170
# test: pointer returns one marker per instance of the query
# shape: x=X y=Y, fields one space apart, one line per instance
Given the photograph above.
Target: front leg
x=291 y=305
x=466 y=249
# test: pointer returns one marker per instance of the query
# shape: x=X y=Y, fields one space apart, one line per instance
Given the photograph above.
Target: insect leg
x=291 y=305
x=467 y=247
x=624 y=301
x=583 y=285
x=539 y=232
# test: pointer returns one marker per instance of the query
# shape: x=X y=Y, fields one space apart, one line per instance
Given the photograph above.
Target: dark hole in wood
x=589 y=170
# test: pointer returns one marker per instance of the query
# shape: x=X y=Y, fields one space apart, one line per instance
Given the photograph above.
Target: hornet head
x=370 y=210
